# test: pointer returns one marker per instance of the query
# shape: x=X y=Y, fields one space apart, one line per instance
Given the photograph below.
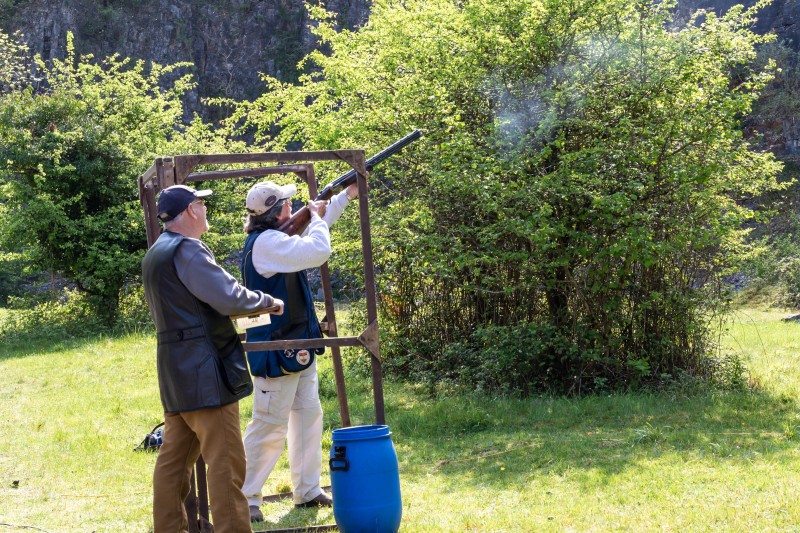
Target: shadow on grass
x=296 y=518
x=506 y=442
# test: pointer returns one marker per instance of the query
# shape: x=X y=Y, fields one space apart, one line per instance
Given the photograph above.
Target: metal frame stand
x=179 y=170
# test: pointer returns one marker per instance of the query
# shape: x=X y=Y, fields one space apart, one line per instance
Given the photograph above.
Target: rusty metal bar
x=191 y=506
x=186 y=163
x=202 y=487
x=155 y=228
x=148 y=174
x=372 y=308
x=147 y=196
x=368 y=339
x=330 y=316
x=255 y=172
x=336 y=354
x=303 y=529
x=193 y=160
x=302 y=343
x=166 y=172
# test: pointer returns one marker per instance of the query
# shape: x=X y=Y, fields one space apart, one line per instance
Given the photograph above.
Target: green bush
x=728 y=372
x=787 y=272
x=45 y=318
x=70 y=156
x=12 y=277
x=133 y=315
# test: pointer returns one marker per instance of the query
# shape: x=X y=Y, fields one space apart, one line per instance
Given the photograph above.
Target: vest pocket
x=234 y=372
x=207 y=381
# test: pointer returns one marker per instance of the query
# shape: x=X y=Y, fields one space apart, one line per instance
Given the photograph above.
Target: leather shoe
x=323 y=500
x=255 y=514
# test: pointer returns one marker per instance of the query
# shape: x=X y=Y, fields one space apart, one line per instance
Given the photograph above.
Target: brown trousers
x=215 y=434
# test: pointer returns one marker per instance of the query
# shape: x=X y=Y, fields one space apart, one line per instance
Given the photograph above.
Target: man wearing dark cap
x=286 y=401
x=202 y=370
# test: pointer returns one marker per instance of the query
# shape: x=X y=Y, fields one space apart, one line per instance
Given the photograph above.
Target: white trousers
x=288 y=405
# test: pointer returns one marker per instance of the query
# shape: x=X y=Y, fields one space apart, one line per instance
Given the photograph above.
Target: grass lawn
x=73 y=411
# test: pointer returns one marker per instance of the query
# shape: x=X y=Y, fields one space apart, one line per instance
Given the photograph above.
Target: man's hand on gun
x=318 y=207
x=352 y=190
x=275 y=309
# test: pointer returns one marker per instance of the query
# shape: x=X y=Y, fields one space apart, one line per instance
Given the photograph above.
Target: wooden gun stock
x=298 y=222
x=266 y=310
x=300 y=219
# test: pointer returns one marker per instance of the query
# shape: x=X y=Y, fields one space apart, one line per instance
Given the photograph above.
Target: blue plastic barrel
x=365 y=480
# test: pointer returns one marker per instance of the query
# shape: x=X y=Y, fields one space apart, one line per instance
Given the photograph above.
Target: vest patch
x=303 y=357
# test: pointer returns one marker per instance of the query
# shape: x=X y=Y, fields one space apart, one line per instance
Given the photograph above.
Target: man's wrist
x=351 y=198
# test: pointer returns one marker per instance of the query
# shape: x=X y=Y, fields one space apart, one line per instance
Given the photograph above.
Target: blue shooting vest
x=294 y=323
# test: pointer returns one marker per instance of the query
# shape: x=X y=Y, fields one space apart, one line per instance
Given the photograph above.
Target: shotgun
x=302 y=217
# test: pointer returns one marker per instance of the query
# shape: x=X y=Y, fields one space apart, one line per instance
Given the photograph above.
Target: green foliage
x=728 y=371
x=789 y=271
x=508 y=359
x=12 y=276
x=580 y=182
x=133 y=315
x=772 y=266
x=70 y=158
x=14 y=61
x=71 y=316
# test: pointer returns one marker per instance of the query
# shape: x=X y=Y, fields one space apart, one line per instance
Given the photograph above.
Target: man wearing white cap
x=286 y=397
x=202 y=371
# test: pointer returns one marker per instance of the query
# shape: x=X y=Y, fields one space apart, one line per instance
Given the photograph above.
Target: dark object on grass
x=152 y=441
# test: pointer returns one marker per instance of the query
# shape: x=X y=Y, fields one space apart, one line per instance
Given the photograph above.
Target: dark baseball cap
x=173 y=200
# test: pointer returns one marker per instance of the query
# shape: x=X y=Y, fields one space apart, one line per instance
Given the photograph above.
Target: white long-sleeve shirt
x=275 y=251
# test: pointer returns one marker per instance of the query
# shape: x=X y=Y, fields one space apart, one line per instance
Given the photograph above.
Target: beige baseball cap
x=263 y=196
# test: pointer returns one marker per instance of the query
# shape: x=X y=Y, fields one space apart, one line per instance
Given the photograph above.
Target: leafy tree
x=566 y=222
x=70 y=158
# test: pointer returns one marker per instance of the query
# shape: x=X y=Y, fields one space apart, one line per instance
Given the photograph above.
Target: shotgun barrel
x=302 y=217
x=346 y=179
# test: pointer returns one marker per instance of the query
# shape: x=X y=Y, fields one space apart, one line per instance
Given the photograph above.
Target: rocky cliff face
x=230 y=42
x=781 y=17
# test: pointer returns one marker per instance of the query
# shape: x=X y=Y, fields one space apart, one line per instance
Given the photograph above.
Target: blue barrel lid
x=360 y=433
